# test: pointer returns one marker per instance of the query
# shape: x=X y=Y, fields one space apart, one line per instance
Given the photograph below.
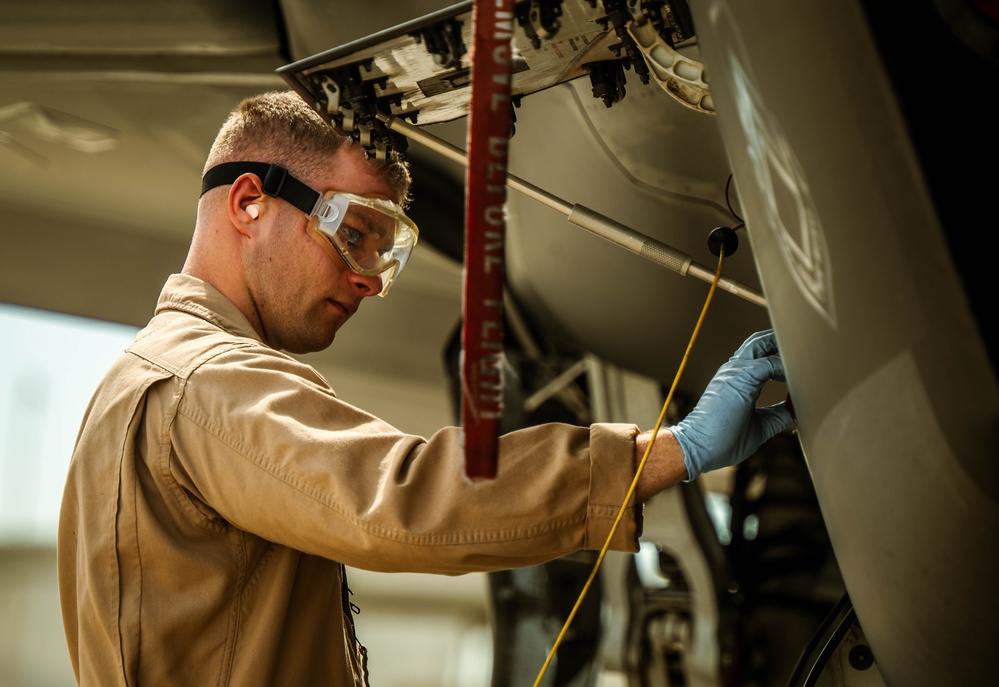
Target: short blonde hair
x=279 y=127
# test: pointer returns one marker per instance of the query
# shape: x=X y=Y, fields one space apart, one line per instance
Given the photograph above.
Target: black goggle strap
x=277 y=183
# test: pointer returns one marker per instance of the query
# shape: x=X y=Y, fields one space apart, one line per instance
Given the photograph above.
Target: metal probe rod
x=585 y=218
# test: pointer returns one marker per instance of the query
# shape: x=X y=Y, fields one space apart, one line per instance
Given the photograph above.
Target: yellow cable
x=638 y=472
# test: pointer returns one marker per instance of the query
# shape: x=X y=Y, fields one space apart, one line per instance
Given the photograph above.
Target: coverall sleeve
x=260 y=442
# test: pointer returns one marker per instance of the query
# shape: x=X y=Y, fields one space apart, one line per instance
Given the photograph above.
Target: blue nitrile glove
x=726 y=427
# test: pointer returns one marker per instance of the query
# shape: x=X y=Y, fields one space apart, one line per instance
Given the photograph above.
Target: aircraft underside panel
x=886 y=350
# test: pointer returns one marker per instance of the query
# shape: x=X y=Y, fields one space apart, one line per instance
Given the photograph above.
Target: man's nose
x=365 y=285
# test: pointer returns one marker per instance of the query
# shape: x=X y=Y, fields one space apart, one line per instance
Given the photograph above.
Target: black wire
x=728 y=201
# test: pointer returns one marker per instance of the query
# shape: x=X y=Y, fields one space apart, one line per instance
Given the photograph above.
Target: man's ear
x=246 y=202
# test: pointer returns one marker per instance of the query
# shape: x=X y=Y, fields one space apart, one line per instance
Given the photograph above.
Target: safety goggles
x=373 y=236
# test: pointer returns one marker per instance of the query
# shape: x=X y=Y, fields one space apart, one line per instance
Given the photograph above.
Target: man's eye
x=351 y=236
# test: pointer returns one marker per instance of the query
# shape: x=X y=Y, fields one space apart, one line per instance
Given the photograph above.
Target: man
x=218 y=486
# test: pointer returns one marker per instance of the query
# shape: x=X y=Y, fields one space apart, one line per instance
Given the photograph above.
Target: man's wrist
x=664 y=466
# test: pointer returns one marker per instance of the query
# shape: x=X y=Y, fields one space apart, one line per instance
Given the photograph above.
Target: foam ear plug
x=253 y=211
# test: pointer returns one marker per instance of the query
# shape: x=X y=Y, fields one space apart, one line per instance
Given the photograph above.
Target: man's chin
x=318 y=341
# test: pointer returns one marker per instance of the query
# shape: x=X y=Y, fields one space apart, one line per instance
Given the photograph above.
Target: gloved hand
x=726 y=427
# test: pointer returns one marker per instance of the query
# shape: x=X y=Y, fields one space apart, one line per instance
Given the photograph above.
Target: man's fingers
x=758 y=345
x=774 y=419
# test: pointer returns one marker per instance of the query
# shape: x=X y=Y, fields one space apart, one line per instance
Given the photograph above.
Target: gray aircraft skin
x=849 y=148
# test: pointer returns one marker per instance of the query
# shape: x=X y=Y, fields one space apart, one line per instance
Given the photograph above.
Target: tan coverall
x=218 y=487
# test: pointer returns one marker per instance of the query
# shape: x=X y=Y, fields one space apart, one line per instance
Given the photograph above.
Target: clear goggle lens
x=373 y=236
